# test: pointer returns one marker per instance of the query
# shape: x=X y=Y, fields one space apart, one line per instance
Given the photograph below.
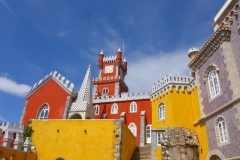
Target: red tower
x=112 y=100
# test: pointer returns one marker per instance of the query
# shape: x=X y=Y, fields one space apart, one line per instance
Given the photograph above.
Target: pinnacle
x=119 y=50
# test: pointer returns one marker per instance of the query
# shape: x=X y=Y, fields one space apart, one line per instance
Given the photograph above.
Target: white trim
x=161 y=112
x=43 y=109
x=222 y=10
x=114 y=108
x=159 y=137
x=133 y=107
x=133 y=128
x=213 y=84
x=97 y=109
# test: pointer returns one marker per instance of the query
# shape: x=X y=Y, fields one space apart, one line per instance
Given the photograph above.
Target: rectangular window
x=159 y=137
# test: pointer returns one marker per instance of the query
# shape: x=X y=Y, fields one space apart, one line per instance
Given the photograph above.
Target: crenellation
x=124 y=96
x=17 y=128
x=109 y=59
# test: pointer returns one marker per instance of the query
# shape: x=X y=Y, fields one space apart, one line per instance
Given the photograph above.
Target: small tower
x=192 y=52
x=125 y=66
x=82 y=107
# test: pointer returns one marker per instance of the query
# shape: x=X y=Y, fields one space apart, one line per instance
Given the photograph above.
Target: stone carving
x=179 y=144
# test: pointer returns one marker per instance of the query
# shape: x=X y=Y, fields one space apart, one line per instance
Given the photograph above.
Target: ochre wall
x=50 y=93
x=79 y=139
x=182 y=110
x=7 y=153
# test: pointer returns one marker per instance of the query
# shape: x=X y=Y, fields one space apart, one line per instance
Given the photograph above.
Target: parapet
x=192 y=52
x=124 y=97
x=61 y=80
x=16 y=128
x=109 y=59
x=169 y=81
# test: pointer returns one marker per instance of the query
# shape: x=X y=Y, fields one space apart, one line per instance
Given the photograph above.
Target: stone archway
x=215 y=157
x=76 y=116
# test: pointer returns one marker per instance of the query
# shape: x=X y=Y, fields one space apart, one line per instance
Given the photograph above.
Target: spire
x=124 y=60
x=101 y=52
x=119 y=50
x=84 y=98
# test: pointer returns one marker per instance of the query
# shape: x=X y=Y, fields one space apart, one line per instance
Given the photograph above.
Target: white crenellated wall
x=109 y=59
x=16 y=128
x=124 y=96
x=65 y=83
x=172 y=80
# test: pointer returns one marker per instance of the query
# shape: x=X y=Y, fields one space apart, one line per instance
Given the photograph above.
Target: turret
x=125 y=66
x=119 y=56
x=192 y=52
x=100 y=59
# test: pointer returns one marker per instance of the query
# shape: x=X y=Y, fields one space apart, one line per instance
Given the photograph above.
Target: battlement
x=169 y=81
x=109 y=59
x=65 y=83
x=124 y=97
x=194 y=49
x=16 y=128
x=107 y=78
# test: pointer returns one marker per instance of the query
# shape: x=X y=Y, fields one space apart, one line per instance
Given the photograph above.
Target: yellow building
x=82 y=139
x=175 y=105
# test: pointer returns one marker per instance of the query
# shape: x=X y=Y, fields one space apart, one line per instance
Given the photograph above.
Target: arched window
x=96 y=107
x=221 y=130
x=114 y=109
x=43 y=112
x=105 y=92
x=133 y=107
x=161 y=112
x=133 y=128
x=213 y=83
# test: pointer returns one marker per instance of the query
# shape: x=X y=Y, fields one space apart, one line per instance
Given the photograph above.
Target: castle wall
x=82 y=139
x=226 y=93
x=232 y=148
x=50 y=93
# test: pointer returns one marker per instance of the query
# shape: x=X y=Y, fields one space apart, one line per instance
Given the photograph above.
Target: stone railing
x=16 y=128
x=124 y=96
x=18 y=143
x=59 y=78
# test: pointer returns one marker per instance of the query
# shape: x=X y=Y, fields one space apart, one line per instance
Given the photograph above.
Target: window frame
x=42 y=109
x=133 y=107
x=97 y=109
x=135 y=128
x=221 y=132
x=213 y=84
x=159 y=137
x=161 y=112
x=114 y=108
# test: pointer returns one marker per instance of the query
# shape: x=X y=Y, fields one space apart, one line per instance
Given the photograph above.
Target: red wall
x=52 y=94
x=124 y=106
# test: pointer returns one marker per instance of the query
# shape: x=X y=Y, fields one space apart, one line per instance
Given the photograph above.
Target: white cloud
x=144 y=71
x=2 y=119
x=10 y=86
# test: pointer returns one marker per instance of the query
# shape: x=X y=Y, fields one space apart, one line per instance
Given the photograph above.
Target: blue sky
x=40 y=36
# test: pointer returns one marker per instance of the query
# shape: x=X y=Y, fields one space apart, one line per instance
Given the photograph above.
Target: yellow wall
x=78 y=139
x=9 y=153
x=182 y=110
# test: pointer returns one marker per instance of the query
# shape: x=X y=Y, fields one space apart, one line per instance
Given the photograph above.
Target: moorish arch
x=215 y=155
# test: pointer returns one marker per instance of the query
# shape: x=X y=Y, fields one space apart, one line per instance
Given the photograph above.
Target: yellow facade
x=181 y=110
x=13 y=154
x=81 y=139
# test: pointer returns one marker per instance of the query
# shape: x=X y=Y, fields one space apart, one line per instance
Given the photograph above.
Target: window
x=43 y=113
x=104 y=116
x=213 y=83
x=159 y=138
x=133 y=107
x=114 y=109
x=96 y=107
x=161 y=112
x=221 y=130
x=132 y=127
x=105 y=92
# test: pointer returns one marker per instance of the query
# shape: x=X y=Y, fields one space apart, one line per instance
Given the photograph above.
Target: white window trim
x=96 y=107
x=115 y=109
x=159 y=137
x=161 y=112
x=105 y=92
x=135 y=127
x=133 y=107
x=218 y=131
x=212 y=90
x=41 y=109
